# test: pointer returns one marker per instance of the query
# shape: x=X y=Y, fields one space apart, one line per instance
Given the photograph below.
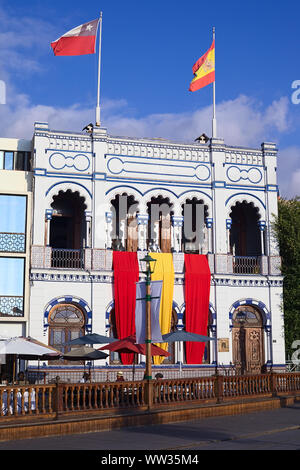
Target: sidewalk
x=277 y=429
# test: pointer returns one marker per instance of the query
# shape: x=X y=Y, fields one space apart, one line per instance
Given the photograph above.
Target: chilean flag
x=79 y=41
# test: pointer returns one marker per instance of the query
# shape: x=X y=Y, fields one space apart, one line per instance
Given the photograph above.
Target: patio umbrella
x=84 y=353
x=27 y=348
x=22 y=346
x=91 y=338
x=128 y=345
x=182 y=335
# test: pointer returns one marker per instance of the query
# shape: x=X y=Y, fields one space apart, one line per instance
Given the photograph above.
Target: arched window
x=67 y=227
x=66 y=322
x=194 y=212
x=245 y=239
x=159 y=226
x=125 y=228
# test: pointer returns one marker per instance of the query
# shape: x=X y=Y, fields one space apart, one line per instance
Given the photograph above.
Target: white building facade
x=93 y=193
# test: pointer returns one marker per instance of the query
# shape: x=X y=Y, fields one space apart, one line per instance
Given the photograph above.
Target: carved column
x=228 y=227
x=209 y=226
x=142 y=220
x=109 y=220
x=177 y=223
x=48 y=217
x=88 y=222
x=262 y=226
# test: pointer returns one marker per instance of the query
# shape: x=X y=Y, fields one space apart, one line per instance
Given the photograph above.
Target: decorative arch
x=207 y=200
x=69 y=299
x=248 y=198
x=266 y=317
x=71 y=186
x=165 y=193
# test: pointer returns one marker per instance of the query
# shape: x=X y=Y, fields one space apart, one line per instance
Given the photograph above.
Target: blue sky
x=148 y=50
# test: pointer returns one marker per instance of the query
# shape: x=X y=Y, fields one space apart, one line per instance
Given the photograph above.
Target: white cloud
x=241 y=121
x=288 y=171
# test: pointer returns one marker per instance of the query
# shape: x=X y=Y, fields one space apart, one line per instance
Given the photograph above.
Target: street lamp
x=149 y=270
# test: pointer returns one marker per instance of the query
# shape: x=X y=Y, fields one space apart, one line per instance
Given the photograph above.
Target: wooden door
x=254 y=350
x=238 y=350
x=248 y=351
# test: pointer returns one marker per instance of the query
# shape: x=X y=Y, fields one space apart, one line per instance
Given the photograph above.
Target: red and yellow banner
x=204 y=70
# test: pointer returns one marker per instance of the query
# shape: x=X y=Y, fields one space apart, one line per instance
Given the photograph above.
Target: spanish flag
x=204 y=70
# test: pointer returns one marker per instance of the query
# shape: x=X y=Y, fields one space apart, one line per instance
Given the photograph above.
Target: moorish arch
x=124 y=208
x=160 y=210
x=64 y=186
x=245 y=233
x=246 y=198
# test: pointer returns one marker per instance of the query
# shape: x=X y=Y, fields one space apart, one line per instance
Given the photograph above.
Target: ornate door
x=247 y=340
x=254 y=350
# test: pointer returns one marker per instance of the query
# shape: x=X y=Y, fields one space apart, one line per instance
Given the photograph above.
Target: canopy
x=27 y=348
x=84 y=353
x=128 y=345
x=92 y=338
x=182 y=335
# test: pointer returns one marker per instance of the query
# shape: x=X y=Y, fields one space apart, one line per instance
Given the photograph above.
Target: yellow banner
x=164 y=271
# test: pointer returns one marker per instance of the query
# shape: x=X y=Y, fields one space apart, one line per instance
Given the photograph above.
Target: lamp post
x=148 y=339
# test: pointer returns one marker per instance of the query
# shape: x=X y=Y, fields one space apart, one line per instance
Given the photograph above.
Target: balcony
x=46 y=257
x=97 y=259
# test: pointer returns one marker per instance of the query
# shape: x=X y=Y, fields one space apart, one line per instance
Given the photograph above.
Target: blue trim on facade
x=69 y=300
x=61 y=182
x=244 y=194
x=255 y=303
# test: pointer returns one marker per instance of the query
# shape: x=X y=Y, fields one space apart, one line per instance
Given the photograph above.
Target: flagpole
x=214 y=121
x=98 y=122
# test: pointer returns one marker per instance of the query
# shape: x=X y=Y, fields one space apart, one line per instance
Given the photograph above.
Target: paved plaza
x=268 y=430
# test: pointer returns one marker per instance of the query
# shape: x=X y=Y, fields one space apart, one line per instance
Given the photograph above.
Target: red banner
x=126 y=274
x=197 y=288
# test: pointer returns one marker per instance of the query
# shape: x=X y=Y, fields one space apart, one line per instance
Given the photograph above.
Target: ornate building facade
x=95 y=193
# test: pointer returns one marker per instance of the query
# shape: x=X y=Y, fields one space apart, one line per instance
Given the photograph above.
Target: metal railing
x=12 y=242
x=11 y=305
x=67 y=259
x=246 y=265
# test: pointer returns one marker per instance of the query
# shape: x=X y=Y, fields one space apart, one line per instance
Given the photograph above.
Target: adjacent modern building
x=15 y=235
x=94 y=193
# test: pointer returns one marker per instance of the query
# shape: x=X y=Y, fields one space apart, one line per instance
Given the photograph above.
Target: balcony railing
x=99 y=259
x=246 y=265
x=67 y=259
x=12 y=242
x=11 y=306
